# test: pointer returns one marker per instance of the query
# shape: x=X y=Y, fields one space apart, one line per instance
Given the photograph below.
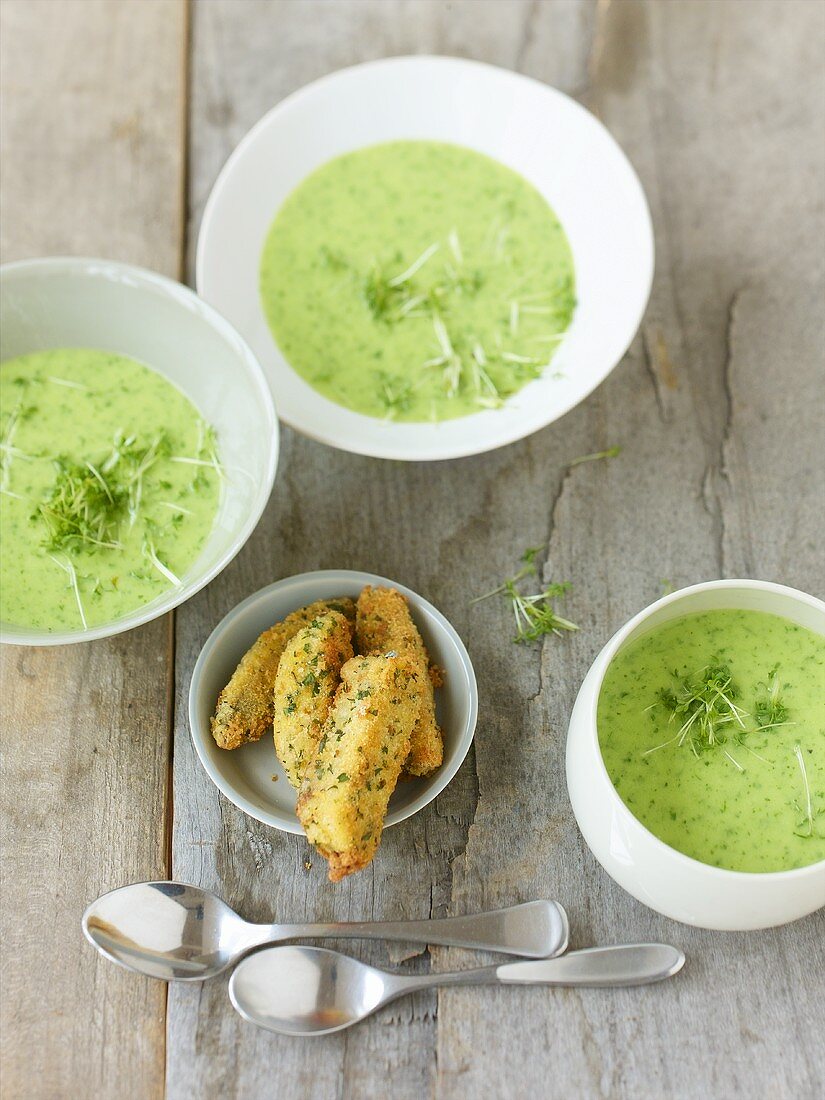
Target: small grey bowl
x=246 y=776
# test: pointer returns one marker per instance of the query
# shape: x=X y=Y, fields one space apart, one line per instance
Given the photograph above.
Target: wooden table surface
x=116 y=117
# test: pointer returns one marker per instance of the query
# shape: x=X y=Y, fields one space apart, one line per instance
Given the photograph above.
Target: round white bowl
x=246 y=775
x=549 y=138
x=69 y=302
x=668 y=881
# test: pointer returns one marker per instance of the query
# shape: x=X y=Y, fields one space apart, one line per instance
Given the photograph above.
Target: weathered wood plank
x=700 y=490
x=713 y=406
x=245 y=58
x=92 y=163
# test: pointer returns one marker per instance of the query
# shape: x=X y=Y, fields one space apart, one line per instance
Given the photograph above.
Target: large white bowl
x=251 y=776
x=552 y=141
x=68 y=302
x=666 y=880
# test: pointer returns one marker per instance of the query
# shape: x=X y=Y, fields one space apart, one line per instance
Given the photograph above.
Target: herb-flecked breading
x=308 y=676
x=383 y=624
x=364 y=743
x=245 y=706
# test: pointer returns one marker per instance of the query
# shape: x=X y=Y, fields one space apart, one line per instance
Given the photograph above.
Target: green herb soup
x=109 y=487
x=417 y=281
x=712 y=728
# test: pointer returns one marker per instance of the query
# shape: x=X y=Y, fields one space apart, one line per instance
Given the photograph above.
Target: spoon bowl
x=300 y=990
x=166 y=930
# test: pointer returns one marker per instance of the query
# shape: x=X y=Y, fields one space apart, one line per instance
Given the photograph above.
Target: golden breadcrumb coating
x=383 y=624
x=362 y=749
x=245 y=706
x=308 y=676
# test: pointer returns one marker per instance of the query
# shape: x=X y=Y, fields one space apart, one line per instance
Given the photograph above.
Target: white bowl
x=245 y=775
x=656 y=874
x=552 y=141
x=68 y=302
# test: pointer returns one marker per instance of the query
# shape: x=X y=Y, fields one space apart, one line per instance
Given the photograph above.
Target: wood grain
x=721 y=106
x=713 y=480
x=92 y=163
x=692 y=494
x=699 y=491
x=330 y=509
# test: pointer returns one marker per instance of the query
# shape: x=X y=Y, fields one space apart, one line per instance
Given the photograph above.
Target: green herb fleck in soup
x=415 y=280
x=712 y=729
x=109 y=485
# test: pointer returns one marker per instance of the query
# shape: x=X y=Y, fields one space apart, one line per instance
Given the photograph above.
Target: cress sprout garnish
x=393 y=393
x=68 y=568
x=805 y=828
x=611 y=452
x=705 y=704
x=150 y=550
x=88 y=501
x=534 y=613
x=806 y=808
x=769 y=710
x=65 y=382
x=8 y=451
x=91 y=504
x=432 y=287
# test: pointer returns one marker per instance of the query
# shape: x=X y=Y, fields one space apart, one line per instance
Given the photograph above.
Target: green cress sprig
x=430 y=287
x=90 y=503
x=88 y=500
x=8 y=451
x=806 y=807
x=704 y=703
x=611 y=452
x=769 y=709
x=534 y=614
x=710 y=717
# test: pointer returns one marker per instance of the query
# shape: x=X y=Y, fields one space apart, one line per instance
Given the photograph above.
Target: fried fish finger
x=362 y=749
x=308 y=676
x=383 y=624
x=245 y=706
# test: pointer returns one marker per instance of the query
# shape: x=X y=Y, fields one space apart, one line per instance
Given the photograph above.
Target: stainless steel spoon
x=300 y=990
x=172 y=931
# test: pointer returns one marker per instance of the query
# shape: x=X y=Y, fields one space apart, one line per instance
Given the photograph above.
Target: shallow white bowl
x=659 y=876
x=69 y=302
x=552 y=141
x=245 y=775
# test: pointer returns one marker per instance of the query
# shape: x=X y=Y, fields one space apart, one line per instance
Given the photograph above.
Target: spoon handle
x=601 y=967
x=535 y=929
x=597 y=967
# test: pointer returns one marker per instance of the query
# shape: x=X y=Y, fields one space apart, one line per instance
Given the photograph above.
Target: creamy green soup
x=417 y=280
x=712 y=728
x=109 y=485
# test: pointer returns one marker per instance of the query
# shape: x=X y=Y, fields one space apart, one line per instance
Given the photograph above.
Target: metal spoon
x=171 y=930
x=311 y=991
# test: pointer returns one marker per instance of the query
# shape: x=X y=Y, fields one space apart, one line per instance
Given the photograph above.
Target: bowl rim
x=445 y=450
x=605 y=658
x=434 y=784
x=181 y=294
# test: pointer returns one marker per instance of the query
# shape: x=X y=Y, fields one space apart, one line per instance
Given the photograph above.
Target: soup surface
x=712 y=729
x=417 y=280
x=109 y=487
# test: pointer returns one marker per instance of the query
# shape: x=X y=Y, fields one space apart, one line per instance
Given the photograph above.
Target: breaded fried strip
x=383 y=624
x=363 y=746
x=245 y=706
x=308 y=676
